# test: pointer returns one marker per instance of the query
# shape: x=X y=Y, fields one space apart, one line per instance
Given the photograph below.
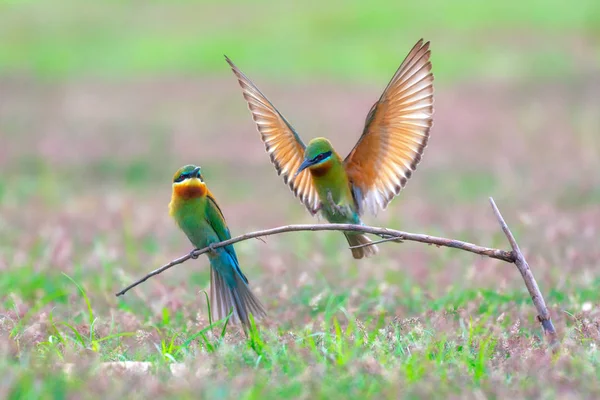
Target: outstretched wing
x=283 y=144
x=395 y=134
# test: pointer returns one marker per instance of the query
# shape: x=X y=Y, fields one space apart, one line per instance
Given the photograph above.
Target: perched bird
x=392 y=143
x=196 y=212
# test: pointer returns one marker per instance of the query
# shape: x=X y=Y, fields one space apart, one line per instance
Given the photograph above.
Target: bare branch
x=514 y=257
x=530 y=282
x=389 y=234
x=389 y=239
x=180 y=260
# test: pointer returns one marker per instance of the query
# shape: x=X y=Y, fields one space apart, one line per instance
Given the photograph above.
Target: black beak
x=195 y=173
x=305 y=164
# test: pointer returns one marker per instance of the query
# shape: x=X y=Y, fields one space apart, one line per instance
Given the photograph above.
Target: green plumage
x=197 y=214
x=331 y=182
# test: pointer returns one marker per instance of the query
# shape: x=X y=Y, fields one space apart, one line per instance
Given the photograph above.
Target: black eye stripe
x=187 y=175
x=182 y=177
x=179 y=178
x=321 y=156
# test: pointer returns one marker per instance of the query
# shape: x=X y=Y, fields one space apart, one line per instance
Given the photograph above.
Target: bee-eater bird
x=392 y=144
x=196 y=212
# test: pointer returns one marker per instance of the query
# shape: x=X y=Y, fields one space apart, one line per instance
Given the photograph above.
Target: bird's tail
x=224 y=297
x=357 y=239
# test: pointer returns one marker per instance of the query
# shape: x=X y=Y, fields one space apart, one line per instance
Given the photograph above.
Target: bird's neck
x=330 y=177
x=186 y=195
x=325 y=169
x=189 y=189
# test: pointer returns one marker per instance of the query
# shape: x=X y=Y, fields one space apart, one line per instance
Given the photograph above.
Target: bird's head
x=188 y=182
x=318 y=152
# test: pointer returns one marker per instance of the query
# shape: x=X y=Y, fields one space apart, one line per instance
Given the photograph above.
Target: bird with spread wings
x=395 y=135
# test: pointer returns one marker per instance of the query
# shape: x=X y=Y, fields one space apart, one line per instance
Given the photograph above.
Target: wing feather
x=284 y=146
x=395 y=134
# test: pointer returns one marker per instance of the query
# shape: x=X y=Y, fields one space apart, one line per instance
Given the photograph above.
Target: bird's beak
x=196 y=172
x=305 y=164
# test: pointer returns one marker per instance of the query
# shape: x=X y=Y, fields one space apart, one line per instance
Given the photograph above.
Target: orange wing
x=283 y=144
x=395 y=134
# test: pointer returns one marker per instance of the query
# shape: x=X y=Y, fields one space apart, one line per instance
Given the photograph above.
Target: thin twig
x=390 y=233
x=157 y=271
x=514 y=257
x=530 y=282
x=390 y=239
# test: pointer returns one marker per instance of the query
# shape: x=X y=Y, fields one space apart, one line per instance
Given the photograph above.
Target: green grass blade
x=85 y=297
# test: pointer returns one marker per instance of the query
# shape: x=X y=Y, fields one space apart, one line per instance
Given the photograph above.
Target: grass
x=479 y=339
x=101 y=103
x=337 y=353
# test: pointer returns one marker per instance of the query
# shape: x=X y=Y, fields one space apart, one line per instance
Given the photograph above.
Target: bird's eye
x=180 y=178
x=322 y=156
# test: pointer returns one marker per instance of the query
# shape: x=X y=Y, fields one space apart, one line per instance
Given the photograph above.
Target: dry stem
x=514 y=257
x=530 y=282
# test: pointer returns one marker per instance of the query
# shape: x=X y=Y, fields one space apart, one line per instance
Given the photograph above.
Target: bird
x=197 y=214
x=392 y=143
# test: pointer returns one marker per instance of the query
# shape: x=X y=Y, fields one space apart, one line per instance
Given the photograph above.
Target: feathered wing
x=229 y=286
x=395 y=134
x=216 y=219
x=283 y=144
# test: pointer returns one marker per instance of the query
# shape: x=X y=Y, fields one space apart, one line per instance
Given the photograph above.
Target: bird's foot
x=194 y=255
x=212 y=248
x=334 y=206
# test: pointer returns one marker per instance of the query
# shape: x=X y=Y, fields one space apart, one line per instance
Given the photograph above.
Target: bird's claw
x=194 y=255
x=336 y=207
x=212 y=248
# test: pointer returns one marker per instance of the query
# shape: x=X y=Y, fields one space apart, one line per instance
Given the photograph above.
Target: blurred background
x=101 y=102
